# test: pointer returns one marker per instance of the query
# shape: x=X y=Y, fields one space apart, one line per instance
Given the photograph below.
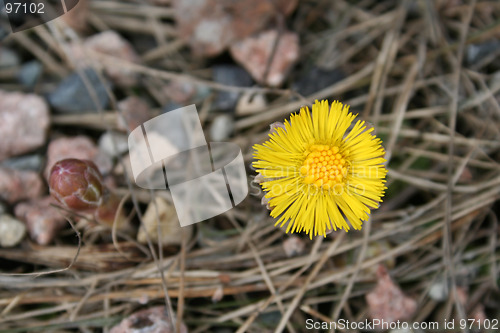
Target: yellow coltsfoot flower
x=316 y=176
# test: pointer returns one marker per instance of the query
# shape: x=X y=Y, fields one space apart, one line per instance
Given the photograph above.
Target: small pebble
x=169 y=224
x=439 y=291
x=113 y=144
x=250 y=103
x=24 y=121
x=171 y=106
x=3 y=33
x=293 y=246
x=387 y=301
x=152 y=320
x=77 y=16
x=29 y=73
x=112 y=44
x=80 y=147
x=72 y=95
x=222 y=127
x=477 y=52
x=43 y=221
x=16 y=185
x=8 y=58
x=218 y=294
x=210 y=26
x=180 y=92
x=12 y=231
x=133 y=112
x=233 y=76
x=254 y=53
x=27 y=162
x=316 y=79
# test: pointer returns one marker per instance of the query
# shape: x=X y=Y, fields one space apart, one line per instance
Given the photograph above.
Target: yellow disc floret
x=324 y=166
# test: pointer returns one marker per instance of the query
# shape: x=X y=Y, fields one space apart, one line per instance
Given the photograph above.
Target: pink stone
x=16 y=185
x=111 y=44
x=80 y=147
x=42 y=220
x=133 y=112
x=24 y=120
x=180 y=92
x=152 y=320
x=76 y=18
x=293 y=246
x=387 y=301
x=210 y=26
x=254 y=53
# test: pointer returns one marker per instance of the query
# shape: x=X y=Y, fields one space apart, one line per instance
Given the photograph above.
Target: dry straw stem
x=401 y=77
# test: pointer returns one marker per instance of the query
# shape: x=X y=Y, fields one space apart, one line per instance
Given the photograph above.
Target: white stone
x=171 y=230
x=12 y=231
x=222 y=127
x=113 y=144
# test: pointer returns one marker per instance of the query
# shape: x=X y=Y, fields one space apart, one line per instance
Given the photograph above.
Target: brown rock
x=152 y=320
x=16 y=185
x=42 y=220
x=133 y=112
x=24 y=120
x=387 y=301
x=254 y=53
x=212 y=25
x=80 y=147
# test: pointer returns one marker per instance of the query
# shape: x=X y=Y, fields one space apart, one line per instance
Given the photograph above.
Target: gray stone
x=72 y=95
x=8 y=58
x=12 y=231
x=316 y=79
x=233 y=76
x=477 y=52
x=171 y=106
x=29 y=73
x=28 y=162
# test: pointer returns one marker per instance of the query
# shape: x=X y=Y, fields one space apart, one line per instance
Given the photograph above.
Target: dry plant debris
x=425 y=74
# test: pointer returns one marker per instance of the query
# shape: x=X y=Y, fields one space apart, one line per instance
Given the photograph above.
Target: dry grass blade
x=424 y=74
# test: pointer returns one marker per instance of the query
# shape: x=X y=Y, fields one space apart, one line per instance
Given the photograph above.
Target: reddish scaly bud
x=77 y=184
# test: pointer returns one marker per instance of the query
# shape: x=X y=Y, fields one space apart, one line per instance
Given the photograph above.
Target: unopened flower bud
x=77 y=184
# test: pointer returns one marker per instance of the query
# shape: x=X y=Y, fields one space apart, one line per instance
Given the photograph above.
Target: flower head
x=317 y=176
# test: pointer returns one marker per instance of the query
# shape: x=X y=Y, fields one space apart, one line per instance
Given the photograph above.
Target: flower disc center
x=324 y=166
